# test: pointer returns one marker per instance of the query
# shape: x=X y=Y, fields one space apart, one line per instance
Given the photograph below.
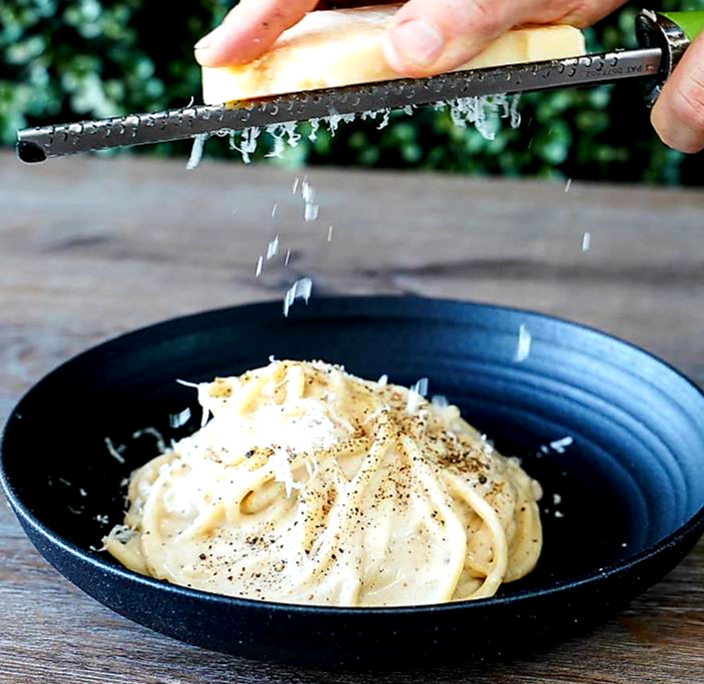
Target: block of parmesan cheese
x=334 y=48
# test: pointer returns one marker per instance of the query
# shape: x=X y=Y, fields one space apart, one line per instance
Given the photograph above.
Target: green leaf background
x=63 y=61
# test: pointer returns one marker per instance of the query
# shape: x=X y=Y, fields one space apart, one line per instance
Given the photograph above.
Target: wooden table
x=90 y=248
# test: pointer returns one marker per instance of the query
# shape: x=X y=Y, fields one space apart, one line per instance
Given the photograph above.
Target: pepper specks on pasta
x=310 y=485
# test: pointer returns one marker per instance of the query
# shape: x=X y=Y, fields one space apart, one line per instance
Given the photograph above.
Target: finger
x=249 y=30
x=578 y=14
x=678 y=115
x=431 y=36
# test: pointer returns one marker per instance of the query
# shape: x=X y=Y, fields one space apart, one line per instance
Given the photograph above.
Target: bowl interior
x=630 y=474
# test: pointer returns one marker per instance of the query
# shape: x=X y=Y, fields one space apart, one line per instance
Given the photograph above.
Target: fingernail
x=418 y=42
x=208 y=40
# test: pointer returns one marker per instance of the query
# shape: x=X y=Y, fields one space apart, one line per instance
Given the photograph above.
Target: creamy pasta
x=310 y=485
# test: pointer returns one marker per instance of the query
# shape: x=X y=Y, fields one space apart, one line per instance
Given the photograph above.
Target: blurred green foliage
x=63 y=61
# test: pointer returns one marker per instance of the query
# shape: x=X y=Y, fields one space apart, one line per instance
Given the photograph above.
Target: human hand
x=427 y=37
x=678 y=115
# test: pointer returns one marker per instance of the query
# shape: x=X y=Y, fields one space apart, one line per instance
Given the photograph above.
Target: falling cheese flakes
x=524 y=344
x=272 y=249
x=311 y=209
x=586 y=242
x=178 y=420
x=196 y=151
x=311 y=212
x=483 y=112
x=308 y=192
x=301 y=289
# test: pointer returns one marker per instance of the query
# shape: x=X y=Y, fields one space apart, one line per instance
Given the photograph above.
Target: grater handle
x=672 y=33
x=691 y=23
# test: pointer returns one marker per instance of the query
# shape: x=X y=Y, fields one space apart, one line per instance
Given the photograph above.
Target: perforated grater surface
x=662 y=40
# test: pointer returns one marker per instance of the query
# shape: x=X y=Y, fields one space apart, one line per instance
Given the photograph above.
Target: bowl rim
x=102 y=564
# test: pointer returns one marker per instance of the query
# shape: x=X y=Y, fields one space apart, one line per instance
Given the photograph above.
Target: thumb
x=678 y=115
x=430 y=36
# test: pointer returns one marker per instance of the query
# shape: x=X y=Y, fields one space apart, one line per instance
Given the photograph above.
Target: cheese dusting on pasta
x=310 y=485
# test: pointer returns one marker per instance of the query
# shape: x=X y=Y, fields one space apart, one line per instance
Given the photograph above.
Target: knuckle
x=688 y=102
x=484 y=17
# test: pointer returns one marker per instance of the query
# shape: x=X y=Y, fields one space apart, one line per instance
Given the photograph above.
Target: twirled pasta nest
x=310 y=485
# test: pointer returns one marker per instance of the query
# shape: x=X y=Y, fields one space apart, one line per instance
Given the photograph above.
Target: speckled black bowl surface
x=623 y=502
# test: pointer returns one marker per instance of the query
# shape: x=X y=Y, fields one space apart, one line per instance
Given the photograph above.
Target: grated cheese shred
x=178 y=420
x=196 y=151
x=524 y=343
x=415 y=394
x=113 y=451
x=301 y=289
x=484 y=113
x=272 y=249
x=560 y=445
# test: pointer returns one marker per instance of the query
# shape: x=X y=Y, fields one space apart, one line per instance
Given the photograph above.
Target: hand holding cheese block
x=422 y=38
x=328 y=49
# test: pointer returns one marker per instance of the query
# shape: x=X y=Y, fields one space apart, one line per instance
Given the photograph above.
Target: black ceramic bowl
x=630 y=487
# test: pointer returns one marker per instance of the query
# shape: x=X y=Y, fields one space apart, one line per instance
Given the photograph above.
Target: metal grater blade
x=38 y=144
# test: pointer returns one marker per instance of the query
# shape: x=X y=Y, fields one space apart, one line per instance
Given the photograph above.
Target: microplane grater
x=662 y=42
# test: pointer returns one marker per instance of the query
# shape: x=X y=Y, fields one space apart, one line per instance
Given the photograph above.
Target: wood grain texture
x=91 y=248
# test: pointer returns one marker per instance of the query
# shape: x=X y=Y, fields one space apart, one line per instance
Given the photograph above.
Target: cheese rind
x=336 y=48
